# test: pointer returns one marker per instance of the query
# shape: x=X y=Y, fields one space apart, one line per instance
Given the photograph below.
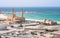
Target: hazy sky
x=29 y=3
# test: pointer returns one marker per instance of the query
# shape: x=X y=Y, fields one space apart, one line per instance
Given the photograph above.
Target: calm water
x=39 y=13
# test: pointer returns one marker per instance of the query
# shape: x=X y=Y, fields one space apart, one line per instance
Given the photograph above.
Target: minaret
x=22 y=13
x=13 y=14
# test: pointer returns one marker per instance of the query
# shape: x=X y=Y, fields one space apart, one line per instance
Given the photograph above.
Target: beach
x=38 y=20
x=35 y=20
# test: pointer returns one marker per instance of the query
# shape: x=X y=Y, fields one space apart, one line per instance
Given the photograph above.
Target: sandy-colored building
x=13 y=18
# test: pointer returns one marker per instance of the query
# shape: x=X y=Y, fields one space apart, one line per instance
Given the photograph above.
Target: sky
x=29 y=3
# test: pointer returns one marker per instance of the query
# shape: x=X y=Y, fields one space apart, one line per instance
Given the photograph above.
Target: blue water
x=39 y=13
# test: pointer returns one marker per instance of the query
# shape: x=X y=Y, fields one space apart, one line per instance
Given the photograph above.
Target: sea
x=36 y=13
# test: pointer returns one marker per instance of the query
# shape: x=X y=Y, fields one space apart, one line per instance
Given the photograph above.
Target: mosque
x=13 y=18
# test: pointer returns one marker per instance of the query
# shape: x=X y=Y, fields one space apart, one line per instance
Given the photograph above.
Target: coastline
x=38 y=20
x=35 y=20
